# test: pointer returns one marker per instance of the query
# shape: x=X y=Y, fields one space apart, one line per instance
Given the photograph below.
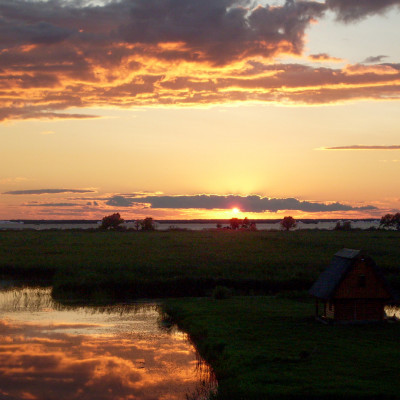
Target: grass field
x=272 y=348
x=160 y=264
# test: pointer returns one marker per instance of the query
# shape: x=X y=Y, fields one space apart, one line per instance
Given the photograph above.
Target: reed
x=162 y=264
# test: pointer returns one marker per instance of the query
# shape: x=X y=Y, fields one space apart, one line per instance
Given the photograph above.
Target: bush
x=112 y=222
x=221 y=292
x=288 y=223
x=343 y=226
x=148 y=224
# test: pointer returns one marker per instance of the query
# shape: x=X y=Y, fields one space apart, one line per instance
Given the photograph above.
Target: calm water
x=393 y=311
x=191 y=226
x=49 y=351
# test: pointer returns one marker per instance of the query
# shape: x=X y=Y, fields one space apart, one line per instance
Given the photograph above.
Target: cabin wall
x=329 y=310
x=352 y=286
x=359 y=310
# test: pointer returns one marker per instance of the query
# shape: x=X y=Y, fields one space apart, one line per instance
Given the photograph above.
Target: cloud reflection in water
x=93 y=353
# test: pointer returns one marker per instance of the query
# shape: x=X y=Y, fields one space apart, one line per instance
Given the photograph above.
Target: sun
x=235 y=210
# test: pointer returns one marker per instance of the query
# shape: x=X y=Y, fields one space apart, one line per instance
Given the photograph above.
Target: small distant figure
x=288 y=223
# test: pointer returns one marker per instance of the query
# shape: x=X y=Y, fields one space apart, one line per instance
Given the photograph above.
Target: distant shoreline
x=184 y=221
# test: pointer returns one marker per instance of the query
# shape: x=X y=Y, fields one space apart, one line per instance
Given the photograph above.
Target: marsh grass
x=123 y=265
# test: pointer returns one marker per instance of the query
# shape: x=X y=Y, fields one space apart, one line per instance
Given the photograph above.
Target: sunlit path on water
x=49 y=351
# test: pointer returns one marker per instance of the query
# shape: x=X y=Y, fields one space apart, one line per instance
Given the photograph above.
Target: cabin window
x=362 y=281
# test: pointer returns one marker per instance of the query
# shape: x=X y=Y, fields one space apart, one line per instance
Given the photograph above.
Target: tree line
x=115 y=221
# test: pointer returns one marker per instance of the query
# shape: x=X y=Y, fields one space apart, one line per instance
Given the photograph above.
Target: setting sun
x=235 y=210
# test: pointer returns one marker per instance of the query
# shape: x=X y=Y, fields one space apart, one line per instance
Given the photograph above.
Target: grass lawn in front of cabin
x=266 y=347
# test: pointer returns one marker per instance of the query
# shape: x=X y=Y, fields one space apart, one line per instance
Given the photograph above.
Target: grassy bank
x=271 y=348
x=159 y=264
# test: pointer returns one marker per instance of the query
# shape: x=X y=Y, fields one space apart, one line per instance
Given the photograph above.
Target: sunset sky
x=181 y=109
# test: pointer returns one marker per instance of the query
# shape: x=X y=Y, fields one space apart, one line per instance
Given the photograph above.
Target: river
x=51 y=351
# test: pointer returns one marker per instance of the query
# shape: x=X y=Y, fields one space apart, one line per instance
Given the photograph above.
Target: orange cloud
x=380 y=69
x=133 y=53
x=363 y=147
x=39 y=361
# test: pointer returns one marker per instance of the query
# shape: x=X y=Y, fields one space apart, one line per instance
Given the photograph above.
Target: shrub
x=288 y=223
x=112 y=221
x=345 y=226
x=221 y=292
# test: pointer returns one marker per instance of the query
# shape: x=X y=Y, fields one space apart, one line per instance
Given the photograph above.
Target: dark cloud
x=252 y=203
x=362 y=147
x=323 y=57
x=351 y=10
x=120 y=201
x=124 y=53
x=374 y=59
x=52 y=205
x=48 y=191
x=222 y=30
x=27 y=113
x=213 y=30
x=17 y=31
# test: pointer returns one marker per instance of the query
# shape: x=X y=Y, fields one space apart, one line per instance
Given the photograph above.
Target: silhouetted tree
x=288 y=223
x=234 y=223
x=137 y=224
x=245 y=223
x=391 y=220
x=343 y=226
x=148 y=224
x=252 y=226
x=112 y=221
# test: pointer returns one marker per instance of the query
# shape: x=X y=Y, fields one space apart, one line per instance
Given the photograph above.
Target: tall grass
x=158 y=264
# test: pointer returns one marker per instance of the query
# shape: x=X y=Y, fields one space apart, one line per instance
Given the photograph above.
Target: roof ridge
x=348 y=253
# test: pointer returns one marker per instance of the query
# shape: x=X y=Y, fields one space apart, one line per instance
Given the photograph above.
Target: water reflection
x=393 y=312
x=49 y=351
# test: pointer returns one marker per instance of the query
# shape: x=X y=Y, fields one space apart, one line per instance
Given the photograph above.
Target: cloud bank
x=254 y=203
x=353 y=10
x=74 y=54
x=48 y=191
x=362 y=147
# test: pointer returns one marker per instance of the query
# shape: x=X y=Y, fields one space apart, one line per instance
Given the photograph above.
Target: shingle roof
x=342 y=261
x=347 y=253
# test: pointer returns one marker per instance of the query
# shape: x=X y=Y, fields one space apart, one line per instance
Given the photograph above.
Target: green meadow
x=270 y=347
x=173 y=264
x=261 y=339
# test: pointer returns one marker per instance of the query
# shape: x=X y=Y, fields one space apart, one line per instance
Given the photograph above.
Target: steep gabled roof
x=329 y=280
x=342 y=262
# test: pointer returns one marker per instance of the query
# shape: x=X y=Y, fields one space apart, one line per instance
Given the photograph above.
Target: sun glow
x=235 y=210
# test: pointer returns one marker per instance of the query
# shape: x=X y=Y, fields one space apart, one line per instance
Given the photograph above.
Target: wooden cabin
x=351 y=289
